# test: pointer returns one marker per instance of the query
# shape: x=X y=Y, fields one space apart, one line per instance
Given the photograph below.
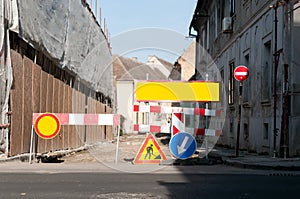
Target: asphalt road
x=96 y=184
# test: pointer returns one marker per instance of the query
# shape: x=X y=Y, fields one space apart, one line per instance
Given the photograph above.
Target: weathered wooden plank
x=72 y=129
x=36 y=72
x=43 y=107
x=109 y=129
x=49 y=107
x=27 y=101
x=65 y=105
x=81 y=128
x=60 y=110
x=94 y=128
x=55 y=101
x=89 y=129
x=99 y=128
x=16 y=102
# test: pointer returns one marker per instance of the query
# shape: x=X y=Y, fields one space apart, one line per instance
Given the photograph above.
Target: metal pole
x=239 y=120
x=147 y=104
x=31 y=145
x=117 y=148
x=285 y=102
x=206 y=126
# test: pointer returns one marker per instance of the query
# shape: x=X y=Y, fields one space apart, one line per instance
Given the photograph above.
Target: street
x=92 y=181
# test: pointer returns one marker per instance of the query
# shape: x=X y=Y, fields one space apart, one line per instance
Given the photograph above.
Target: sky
x=158 y=21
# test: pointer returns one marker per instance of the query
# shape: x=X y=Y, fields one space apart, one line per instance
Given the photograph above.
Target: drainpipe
x=276 y=60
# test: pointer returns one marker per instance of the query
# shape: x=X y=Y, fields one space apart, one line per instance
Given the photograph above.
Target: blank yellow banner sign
x=177 y=91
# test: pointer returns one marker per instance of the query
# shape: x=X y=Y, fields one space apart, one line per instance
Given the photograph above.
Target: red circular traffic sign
x=47 y=125
x=241 y=73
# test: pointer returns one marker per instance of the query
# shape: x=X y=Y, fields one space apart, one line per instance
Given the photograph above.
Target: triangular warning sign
x=150 y=152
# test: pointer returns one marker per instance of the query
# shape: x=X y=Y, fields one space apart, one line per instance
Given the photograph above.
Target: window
x=216 y=21
x=266 y=131
x=231 y=84
x=266 y=72
x=246 y=130
x=222 y=88
x=231 y=127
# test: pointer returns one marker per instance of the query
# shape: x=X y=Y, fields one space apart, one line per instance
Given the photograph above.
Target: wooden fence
x=35 y=91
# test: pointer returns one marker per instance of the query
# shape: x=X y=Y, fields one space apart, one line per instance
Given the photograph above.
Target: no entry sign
x=241 y=73
x=47 y=125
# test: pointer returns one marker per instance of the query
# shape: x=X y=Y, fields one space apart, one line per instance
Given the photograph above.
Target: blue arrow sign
x=183 y=145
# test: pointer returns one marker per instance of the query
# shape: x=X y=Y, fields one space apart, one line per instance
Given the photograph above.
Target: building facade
x=261 y=35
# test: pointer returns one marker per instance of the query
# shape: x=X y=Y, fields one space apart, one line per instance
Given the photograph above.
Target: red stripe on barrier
x=63 y=118
x=179 y=116
x=218 y=132
x=155 y=109
x=116 y=119
x=91 y=119
x=199 y=131
x=154 y=129
x=175 y=130
x=136 y=108
x=199 y=111
x=136 y=127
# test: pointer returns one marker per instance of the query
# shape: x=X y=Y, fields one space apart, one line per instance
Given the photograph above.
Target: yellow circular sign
x=47 y=125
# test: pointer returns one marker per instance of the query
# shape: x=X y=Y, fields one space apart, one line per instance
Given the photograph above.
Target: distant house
x=184 y=67
x=128 y=70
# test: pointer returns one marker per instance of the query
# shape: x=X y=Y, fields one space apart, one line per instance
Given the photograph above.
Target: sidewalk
x=254 y=161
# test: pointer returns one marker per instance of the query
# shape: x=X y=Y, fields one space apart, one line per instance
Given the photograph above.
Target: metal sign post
x=240 y=74
x=239 y=120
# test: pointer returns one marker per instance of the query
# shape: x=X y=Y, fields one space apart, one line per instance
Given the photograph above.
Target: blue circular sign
x=183 y=145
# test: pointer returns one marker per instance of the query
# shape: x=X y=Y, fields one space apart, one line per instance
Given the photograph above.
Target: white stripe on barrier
x=106 y=119
x=210 y=132
x=144 y=128
x=168 y=110
x=145 y=109
x=76 y=119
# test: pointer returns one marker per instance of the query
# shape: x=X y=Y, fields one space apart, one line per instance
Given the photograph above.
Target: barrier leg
x=117 y=147
x=31 y=145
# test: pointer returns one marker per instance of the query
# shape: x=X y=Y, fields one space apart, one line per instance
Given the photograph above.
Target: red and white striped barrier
x=147 y=128
x=196 y=131
x=84 y=119
x=167 y=109
x=207 y=132
x=177 y=123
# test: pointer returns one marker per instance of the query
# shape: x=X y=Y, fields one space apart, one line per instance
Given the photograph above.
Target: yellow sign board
x=150 y=152
x=199 y=91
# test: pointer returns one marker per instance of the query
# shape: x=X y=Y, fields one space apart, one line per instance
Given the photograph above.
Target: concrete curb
x=260 y=166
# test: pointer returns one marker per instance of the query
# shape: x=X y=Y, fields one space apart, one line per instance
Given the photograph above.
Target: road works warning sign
x=150 y=152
